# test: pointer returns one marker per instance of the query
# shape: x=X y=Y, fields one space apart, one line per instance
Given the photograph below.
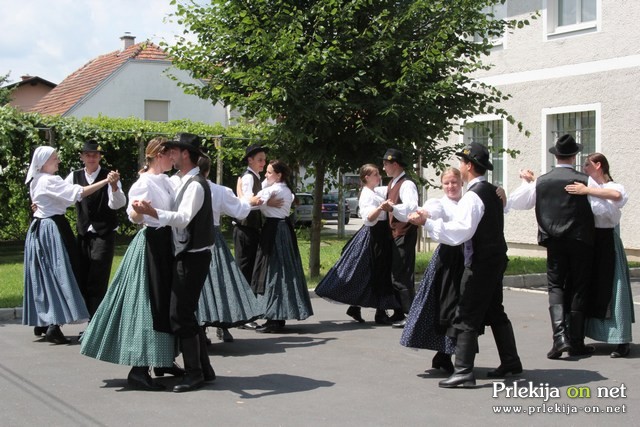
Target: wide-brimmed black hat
x=477 y=154
x=187 y=141
x=91 y=146
x=254 y=149
x=566 y=146
x=394 y=155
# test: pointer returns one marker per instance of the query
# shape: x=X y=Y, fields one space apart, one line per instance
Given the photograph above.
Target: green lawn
x=11 y=260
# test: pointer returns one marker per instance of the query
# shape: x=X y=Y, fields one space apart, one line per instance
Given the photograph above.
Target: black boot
x=55 y=335
x=193 y=377
x=506 y=343
x=622 y=350
x=382 y=318
x=140 y=379
x=576 y=335
x=466 y=348
x=442 y=361
x=558 y=325
x=40 y=330
x=207 y=370
x=174 y=370
x=356 y=313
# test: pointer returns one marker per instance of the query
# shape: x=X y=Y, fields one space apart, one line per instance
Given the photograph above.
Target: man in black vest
x=478 y=224
x=193 y=237
x=566 y=228
x=96 y=226
x=246 y=233
x=402 y=200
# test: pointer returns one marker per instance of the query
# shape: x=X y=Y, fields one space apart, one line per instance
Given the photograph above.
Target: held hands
x=143 y=207
x=113 y=178
x=257 y=201
x=527 y=175
x=387 y=206
x=419 y=217
x=577 y=188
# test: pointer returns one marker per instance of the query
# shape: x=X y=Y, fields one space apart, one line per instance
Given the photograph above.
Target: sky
x=53 y=38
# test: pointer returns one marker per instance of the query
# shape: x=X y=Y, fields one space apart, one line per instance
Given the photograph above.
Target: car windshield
x=330 y=198
x=305 y=199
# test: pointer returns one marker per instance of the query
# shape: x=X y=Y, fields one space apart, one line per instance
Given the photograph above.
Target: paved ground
x=325 y=371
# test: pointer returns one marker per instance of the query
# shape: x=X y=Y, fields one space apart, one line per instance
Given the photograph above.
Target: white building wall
x=599 y=69
x=123 y=95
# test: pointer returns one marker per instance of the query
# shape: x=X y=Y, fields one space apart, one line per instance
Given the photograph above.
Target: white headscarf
x=40 y=157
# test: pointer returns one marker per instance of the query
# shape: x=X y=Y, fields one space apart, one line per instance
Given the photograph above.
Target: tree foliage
x=340 y=80
x=5 y=93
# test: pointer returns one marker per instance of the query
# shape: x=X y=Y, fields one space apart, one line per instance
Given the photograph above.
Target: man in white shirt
x=193 y=236
x=402 y=199
x=96 y=226
x=478 y=223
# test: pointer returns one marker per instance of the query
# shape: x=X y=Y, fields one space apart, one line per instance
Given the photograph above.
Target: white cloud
x=53 y=38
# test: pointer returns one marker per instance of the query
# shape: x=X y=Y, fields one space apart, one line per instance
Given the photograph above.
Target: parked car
x=330 y=208
x=302 y=209
x=351 y=197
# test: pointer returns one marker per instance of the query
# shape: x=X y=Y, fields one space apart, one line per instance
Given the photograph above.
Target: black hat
x=187 y=141
x=254 y=149
x=393 y=155
x=566 y=146
x=91 y=146
x=477 y=154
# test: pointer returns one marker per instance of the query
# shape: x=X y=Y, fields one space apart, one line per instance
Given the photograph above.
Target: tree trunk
x=316 y=223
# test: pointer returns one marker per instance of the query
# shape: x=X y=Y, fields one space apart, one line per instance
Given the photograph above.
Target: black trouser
x=403 y=263
x=569 y=272
x=481 y=296
x=96 y=256
x=189 y=274
x=245 y=242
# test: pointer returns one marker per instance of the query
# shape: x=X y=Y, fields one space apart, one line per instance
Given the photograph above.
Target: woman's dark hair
x=285 y=172
x=204 y=163
x=604 y=164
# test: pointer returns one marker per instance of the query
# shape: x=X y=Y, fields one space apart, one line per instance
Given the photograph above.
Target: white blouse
x=278 y=190
x=52 y=195
x=607 y=213
x=223 y=201
x=157 y=189
x=443 y=208
x=369 y=200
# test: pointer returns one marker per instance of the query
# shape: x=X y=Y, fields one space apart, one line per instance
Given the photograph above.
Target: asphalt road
x=324 y=371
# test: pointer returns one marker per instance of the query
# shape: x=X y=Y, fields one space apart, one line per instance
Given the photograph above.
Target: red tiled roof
x=77 y=85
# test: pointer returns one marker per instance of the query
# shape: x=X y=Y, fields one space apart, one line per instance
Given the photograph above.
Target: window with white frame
x=498 y=12
x=571 y=16
x=156 y=111
x=581 y=125
x=489 y=133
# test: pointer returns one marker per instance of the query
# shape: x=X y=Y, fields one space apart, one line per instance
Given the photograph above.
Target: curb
x=519 y=281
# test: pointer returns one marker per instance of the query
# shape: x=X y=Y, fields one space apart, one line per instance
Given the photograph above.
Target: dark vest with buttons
x=94 y=209
x=398 y=228
x=560 y=214
x=254 y=219
x=200 y=231
x=488 y=240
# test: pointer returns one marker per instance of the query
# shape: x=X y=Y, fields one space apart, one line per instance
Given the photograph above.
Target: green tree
x=5 y=93
x=341 y=81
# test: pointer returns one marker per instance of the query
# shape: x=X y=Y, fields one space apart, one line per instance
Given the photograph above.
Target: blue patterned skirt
x=285 y=294
x=227 y=299
x=617 y=328
x=51 y=293
x=122 y=331
x=424 y=324
x=351 y=279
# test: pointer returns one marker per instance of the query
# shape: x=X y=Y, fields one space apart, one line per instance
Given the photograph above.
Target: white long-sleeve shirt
x=408 y=195
x=369 y=200
x=154 y=188
x=607 y=213
x=278 y=190
x=246 y=183
x=223 y=201
x=52 y=195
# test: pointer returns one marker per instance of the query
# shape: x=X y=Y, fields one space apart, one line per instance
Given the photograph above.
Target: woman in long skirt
x=429 y=320
x=226 y=300
x=610 y=310
x=278 y=278
x=131 y=326
x=51 y=294
x=362 y=275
